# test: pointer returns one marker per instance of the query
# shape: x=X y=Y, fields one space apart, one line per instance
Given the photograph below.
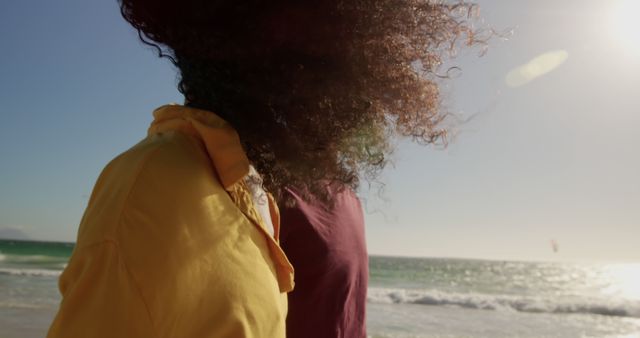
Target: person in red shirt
x=325 y=242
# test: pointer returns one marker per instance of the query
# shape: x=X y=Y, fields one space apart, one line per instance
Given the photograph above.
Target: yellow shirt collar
x=220 y=139
x=231 y=164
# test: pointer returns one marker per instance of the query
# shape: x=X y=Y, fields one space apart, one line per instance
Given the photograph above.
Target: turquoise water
x=408 y=297
x=34 y=255
x=427 y=297
x=28 y=286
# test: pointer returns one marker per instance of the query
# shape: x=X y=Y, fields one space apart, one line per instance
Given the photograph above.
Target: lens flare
x=538 y=66
x=626 y=280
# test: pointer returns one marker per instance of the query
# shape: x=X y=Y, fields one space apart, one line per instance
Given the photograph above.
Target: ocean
x=408 y=297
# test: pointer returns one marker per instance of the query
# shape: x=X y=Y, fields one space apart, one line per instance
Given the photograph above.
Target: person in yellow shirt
x=171 y=245
x=180 y=237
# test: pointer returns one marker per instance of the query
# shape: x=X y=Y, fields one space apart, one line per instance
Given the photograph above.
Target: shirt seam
x=117 y=230
x=136 y=286
x=114 y=242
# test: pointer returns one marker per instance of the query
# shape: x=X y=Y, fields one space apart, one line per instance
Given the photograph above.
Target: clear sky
x=548 y=146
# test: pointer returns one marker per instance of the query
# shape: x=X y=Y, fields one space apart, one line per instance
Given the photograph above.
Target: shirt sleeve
x=100 y=297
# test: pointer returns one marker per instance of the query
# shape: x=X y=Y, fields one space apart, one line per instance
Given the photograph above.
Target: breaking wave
x=30 y=272
x=503 y=302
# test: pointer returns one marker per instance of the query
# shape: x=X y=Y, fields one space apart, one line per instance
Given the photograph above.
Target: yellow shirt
x=171 y=245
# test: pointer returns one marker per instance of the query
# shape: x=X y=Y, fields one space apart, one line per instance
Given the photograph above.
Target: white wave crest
x=502 y=302
x=33 y=259
x=30 y=272
x=18 y=305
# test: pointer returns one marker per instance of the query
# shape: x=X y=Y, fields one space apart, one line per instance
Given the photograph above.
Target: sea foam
x=504 y=302
x=30 y=272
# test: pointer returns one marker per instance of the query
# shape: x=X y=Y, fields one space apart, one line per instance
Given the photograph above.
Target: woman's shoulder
x=168 y=153
x=163 y=172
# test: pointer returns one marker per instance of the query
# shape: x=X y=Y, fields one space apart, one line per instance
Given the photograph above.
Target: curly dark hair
x=315 y=89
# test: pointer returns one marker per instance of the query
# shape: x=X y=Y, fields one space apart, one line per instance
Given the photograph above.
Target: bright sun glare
x=625 y=23
x=625 y=280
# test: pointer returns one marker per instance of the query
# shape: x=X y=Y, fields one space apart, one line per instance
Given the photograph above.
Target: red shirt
x=326 y=246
